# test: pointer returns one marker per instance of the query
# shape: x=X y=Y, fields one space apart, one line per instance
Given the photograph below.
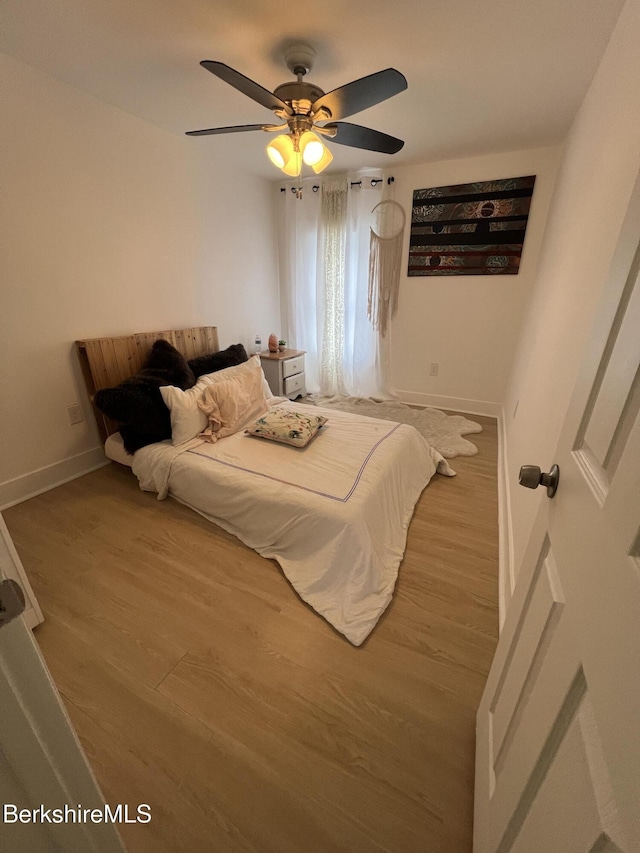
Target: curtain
x=333 y=210
x=324 y=267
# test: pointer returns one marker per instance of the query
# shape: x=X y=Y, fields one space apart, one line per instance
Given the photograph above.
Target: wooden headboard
x=106 y=362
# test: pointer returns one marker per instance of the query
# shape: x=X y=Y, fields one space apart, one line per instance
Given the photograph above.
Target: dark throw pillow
x=163 y=356
x=137 y=405
x=213 y=361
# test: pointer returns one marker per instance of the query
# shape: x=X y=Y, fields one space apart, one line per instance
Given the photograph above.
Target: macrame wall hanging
x=385 y=256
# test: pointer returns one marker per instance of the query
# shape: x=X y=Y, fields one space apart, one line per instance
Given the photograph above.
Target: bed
x=334 y=514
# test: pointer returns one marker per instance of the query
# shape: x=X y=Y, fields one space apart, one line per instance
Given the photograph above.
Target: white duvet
x=334 y=514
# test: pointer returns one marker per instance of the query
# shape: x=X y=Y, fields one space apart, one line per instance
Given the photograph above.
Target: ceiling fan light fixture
x=279 y=150
x=293 y=166
x=311 y=148
x=327 y=157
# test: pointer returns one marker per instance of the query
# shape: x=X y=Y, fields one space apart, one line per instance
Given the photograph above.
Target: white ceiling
x=484 y=75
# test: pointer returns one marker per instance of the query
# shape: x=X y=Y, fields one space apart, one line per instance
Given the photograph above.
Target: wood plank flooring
x=199 y=683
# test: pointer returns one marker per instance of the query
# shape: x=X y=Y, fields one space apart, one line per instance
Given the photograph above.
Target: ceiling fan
x=306 y=111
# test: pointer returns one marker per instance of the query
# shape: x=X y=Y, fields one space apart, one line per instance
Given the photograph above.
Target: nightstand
x=285 y=372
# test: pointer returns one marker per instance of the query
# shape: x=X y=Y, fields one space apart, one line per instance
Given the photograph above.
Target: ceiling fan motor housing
x=294 y=91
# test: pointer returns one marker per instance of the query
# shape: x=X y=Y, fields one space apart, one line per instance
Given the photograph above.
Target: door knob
x=11 y=601
x=531 y=476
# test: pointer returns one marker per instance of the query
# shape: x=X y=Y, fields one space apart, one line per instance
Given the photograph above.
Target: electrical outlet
x=75 y=414
x=434 y=369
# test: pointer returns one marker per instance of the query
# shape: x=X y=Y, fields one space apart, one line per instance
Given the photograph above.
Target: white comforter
x=333 y=514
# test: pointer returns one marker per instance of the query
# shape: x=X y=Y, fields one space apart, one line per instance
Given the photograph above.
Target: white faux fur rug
x=444 y=432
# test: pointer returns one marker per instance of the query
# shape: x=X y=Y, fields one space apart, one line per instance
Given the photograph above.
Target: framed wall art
x=470 y=229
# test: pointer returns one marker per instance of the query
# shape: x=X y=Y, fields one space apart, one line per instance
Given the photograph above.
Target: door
x=41 y=760
x=558 y=728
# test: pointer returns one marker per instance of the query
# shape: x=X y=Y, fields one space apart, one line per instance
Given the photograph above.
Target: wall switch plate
x=434 y=369
x=75 y=414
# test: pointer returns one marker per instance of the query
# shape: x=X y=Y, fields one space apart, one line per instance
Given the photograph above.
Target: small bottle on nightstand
x=258 y=346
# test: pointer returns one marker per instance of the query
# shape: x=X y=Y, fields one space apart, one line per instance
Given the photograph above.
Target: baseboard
x=505 y=525
x=36 y=482
x=454 y=404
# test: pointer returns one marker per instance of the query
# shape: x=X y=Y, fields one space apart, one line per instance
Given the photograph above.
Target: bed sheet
x=334 y=514
x=114 y=450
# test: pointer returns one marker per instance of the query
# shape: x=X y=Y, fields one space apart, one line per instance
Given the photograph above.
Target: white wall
x=598 y=172
x=108 y=225
x=469 y=325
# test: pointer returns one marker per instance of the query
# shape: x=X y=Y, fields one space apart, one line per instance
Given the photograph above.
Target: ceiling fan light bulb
x=279 y=150
x=276 y=157
x=322 y=164
x=313 y=153
x=311 y=148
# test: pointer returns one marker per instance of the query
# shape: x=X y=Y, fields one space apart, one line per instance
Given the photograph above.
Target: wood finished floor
x=198 y=682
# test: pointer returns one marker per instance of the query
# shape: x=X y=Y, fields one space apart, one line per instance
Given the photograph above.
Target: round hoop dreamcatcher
x=385 y=257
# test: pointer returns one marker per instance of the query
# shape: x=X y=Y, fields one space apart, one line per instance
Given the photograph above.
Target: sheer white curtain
x=324 y=266
x=331 y=302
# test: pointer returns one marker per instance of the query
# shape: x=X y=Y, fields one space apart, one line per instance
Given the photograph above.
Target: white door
x=41 y=760
x=558 y=729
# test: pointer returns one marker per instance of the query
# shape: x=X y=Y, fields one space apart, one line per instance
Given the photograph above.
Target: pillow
x=288 y=427
x=165 y=357
x=137 y=405
x=232 y=404
x=187 y=419
x=229 y=357
x=213 y=361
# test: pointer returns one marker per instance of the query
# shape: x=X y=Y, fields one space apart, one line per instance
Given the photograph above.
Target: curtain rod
x=316 y=187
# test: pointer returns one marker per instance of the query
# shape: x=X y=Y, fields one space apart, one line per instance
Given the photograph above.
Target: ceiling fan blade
x=245 y=85
x=364 y=137
x=213 y=130
x=362 y=94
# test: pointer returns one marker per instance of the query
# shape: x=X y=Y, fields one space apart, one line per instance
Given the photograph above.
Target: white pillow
x=232 y=404
x=187 y=419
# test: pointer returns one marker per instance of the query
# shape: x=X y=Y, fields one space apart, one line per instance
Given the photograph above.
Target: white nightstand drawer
x=285 y=372
x=292 y=365
x=294 y=385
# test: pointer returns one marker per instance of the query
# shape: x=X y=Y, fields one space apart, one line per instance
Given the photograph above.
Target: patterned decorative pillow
x=288 y=427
